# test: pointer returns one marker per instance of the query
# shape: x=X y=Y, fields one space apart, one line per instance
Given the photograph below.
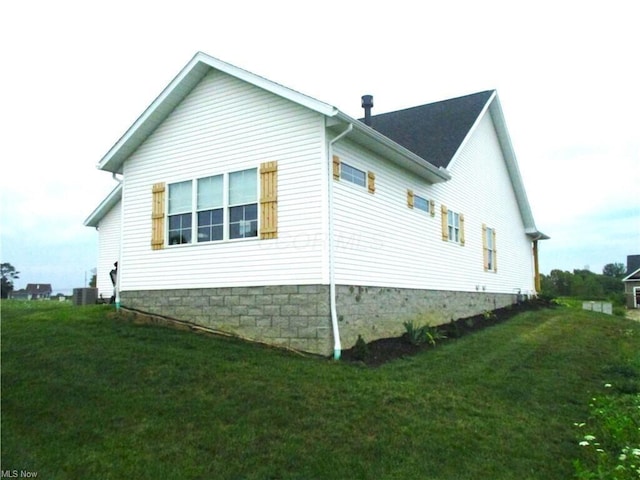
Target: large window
x=224 y=206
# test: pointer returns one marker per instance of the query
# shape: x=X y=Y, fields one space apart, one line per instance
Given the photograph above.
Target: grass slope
x=85 y=395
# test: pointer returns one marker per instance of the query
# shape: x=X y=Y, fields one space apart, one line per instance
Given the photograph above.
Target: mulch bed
x=385 y=350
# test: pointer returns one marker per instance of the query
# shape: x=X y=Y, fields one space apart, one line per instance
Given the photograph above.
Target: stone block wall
x=294 y=316
x=379 y=312
x=298 y=316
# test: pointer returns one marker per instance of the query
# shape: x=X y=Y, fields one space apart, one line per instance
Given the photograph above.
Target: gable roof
x=105 y=206
x=632 y=277
x=433 y=131
x=437 y=132
x=196 y=70
x=422 y=139
x=38 y=288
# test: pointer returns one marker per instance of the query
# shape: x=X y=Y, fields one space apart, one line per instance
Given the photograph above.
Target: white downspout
x=337 y=346
x=119 y=269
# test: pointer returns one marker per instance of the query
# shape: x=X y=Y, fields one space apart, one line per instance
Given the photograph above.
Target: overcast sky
x=76 y=75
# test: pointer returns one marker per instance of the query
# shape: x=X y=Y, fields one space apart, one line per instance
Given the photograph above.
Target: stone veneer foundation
x=298 y=316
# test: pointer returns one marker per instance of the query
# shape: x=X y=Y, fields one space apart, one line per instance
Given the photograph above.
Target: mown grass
x=86 y=395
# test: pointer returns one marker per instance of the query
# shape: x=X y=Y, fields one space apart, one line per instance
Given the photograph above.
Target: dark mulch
x=385 y=350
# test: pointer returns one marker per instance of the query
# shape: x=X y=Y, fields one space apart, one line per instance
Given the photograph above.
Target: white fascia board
x=629 y=278
x=394 y=151
x=105 y=206
x=494 y=108
x=178 y=89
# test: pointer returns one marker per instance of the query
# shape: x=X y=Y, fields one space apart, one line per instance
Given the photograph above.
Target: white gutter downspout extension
x=337 y=346
x=117 y=285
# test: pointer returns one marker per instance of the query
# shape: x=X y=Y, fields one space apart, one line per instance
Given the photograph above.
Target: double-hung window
x=180 y=212
x=210 y=207
x=489 y=246
x=453 y=225
x=243 y=204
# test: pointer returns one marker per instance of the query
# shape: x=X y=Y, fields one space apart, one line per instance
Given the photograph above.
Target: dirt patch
x=385 y=350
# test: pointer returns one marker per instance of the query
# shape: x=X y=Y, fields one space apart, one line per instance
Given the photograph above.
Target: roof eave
x=632 y=274
x=375 y=141
x=105 y=206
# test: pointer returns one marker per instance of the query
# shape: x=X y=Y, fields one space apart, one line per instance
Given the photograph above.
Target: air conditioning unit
x=85 y=296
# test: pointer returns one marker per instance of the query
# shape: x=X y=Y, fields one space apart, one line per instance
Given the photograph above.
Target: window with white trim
x=489 y=243
x=243 y=204
x=180 y=212
x=421 y=203
x=454 y=227
x=225 y=207
x=353 y=175
x=210 y=207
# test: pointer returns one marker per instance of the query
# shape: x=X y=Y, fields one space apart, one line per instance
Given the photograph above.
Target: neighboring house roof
x=633 y=263
x=38 y=288
x=101 y=210
x=633 y=276
x=434 y=131
x=424 y=140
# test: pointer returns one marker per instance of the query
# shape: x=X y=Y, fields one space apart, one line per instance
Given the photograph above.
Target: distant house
x=34 y=291
x=632 y=281
x=252 y=208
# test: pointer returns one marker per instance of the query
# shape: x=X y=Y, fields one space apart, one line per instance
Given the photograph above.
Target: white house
x=248 y=207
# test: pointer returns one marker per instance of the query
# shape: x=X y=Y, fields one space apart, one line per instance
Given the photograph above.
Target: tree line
x=585 y=284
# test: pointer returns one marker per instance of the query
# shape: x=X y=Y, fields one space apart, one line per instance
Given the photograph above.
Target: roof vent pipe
x=367 y=104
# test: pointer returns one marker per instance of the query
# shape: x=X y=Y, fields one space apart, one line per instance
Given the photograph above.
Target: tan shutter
x=157 y=216
x=432 y=208
x=336 y=167
x=495 y=252
x=461 y=229
x=269 y=200
x=410 y=198
x=371 y=182
x=445 y=222
x=485 y=248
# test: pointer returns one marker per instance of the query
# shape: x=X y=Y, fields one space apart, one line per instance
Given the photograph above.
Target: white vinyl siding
x=108 y=250
x=225 y=125
x=382 y=242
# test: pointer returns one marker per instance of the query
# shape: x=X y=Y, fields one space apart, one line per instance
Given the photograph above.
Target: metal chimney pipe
x=367 y=104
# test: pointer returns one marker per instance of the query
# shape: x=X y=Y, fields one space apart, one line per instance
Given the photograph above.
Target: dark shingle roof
x=38 y=288
x=433 y=131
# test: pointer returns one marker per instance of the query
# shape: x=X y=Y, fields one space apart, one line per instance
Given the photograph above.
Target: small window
x=453 y=225
x=421 y=203
x=490 y=248
x=353 y=175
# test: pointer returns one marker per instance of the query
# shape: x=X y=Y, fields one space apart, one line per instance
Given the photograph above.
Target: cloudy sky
x=76 y=75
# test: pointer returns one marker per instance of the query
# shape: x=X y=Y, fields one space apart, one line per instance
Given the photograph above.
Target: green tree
x=616 y=270
x=9 y=274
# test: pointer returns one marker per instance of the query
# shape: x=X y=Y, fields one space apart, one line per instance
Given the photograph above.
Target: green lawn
x=86 y=395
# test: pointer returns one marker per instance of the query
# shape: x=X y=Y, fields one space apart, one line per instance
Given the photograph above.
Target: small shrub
x=360 y=349
x=419 y=335
x=489 y=315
